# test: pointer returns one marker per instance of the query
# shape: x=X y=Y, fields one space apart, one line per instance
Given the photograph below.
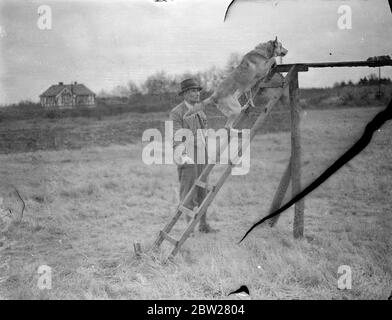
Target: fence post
x=296 y=157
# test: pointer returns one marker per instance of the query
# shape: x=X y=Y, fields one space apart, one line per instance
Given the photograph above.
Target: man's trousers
x=187 y=175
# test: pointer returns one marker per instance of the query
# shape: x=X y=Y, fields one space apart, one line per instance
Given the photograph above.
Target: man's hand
x=184 y=159
x=196 y=108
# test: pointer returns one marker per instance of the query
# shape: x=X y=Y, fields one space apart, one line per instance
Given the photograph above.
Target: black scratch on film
x=228 y=9
x=360 y=145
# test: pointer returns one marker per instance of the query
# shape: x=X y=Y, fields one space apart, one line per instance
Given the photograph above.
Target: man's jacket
x=193 y=123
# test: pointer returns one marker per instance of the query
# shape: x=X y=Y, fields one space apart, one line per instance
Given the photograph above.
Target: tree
x=133 y=89
x=120 y=91
x=363 y=81
x=385 y=80
x=103 y=94
x=373 y=79
x=158 y=83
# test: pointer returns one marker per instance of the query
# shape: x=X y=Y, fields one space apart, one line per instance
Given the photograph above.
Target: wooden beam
x=296 y=157
x=301 y=67
x=169 y=238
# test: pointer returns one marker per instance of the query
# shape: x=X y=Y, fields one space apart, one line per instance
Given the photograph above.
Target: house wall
x=65 y=100
x=48 y=102
x=85 y=100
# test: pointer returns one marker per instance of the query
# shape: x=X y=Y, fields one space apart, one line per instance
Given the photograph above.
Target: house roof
x=78 y=89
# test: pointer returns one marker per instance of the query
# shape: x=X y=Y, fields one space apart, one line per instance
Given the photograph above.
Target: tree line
x=371 y=80
x=161 y=82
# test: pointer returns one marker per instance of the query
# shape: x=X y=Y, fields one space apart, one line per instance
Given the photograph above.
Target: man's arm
x=196 y=108
x=177 y=125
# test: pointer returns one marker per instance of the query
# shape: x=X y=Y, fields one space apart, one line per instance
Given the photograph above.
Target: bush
x=51 y=114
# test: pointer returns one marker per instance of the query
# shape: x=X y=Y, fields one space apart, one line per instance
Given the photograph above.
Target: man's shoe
x=207 y=229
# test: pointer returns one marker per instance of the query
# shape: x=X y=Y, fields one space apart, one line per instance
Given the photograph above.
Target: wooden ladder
x=212 y=190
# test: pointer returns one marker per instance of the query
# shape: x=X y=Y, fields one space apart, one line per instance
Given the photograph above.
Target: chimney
x=60 y=83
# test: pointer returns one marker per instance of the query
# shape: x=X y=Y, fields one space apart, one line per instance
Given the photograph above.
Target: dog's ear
x=275 y=43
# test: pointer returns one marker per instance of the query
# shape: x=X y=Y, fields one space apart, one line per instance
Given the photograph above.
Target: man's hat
x=189 y=84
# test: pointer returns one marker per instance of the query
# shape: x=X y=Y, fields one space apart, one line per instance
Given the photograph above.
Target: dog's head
x=273 y=48
x=279 y=51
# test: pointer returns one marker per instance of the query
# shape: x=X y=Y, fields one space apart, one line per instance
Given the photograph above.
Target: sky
x=107 y=43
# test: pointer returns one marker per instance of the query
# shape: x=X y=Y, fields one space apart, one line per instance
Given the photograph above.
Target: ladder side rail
x=201 y=210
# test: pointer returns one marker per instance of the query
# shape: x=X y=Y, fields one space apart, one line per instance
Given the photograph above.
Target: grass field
x=81 y=132
x=85 y=209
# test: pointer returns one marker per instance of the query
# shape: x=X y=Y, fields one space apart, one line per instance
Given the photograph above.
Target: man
x=188 y=167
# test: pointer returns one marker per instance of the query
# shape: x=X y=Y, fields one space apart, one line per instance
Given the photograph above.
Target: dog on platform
x=255 y=66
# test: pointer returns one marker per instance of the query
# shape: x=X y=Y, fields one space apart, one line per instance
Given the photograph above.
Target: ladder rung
x=169 y=238
x=204 y=185
x=186 y=210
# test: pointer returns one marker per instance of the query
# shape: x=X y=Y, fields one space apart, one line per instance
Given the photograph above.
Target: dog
x=254 y=66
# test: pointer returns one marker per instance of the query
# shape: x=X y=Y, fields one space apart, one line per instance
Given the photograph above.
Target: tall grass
x=85 y=209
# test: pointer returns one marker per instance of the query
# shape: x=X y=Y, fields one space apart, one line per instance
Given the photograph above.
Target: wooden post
x=280 y=193
x=138 y=249
x=296 y=157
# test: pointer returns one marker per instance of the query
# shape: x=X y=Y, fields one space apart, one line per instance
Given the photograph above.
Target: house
x=68 y=96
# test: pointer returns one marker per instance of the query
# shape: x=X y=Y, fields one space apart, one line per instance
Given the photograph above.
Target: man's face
x=192 y=96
